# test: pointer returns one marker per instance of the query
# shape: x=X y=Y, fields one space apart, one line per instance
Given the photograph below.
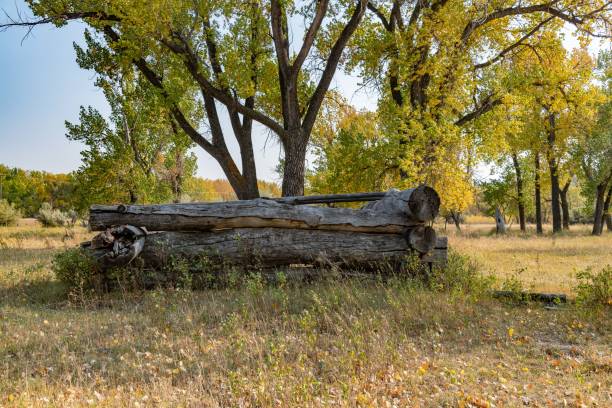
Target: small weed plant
x=594 y=290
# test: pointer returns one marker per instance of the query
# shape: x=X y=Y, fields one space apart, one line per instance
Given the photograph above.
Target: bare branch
x=522 y=10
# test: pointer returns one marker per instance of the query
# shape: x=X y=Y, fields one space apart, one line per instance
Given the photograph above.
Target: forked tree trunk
x=456 y=219
x=565 y=205
x=538 y=198
x=519 y=192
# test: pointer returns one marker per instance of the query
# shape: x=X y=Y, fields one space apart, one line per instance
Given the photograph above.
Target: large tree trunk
x=294 y=164
x=606 y=210
x=565 y=204
x=519 y=192
x=554 y=176
x=250 y=190
x=396 y=211
x=599 y=206
x=538 y=198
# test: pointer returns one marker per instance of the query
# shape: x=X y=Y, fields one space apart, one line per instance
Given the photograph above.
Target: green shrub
x=8 y=213
x=594 y=290
x=77 y=269
x=50 y=217
x=460 y=274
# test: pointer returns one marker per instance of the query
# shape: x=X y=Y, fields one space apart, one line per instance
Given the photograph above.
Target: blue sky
x=41 y=86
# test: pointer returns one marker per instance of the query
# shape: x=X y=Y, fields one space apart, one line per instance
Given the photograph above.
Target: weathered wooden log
x=117 y=246
x=330 y=198
x=277 y=246
x=531 y=296
x=396 y=212
x=421 y=203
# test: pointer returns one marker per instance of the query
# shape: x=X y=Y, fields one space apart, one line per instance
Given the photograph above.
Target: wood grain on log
x=393 y=215
x=277 y=246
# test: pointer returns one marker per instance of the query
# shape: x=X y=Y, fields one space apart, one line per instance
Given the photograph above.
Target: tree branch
x=380 y=16
x=513 y=46
x=192 y=64
x=488 y=103
x=314 y=104
x=520 y=10
x=156 y=81
x=309 y=37
x=281 y=42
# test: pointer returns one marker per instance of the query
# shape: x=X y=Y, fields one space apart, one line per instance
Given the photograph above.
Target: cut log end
x=424 y=203
x=422 y=239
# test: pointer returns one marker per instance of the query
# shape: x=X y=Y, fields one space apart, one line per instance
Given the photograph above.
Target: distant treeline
x=27 y=190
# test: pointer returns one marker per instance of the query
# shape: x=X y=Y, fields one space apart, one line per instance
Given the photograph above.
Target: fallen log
x=531 y=296
x=394 y=214
x=264 y=247
x=277 y=246
x=421 y=203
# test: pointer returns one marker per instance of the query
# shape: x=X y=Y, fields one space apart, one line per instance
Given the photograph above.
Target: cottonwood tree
x=139 y=154
x=238 y=54
x=505 y=139
x=432 y=60
x=594 y=152
x=353 y=153
x=555 y=91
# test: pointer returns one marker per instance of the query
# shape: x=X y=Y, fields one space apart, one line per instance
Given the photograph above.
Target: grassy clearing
x=542 y=263
x=333 y=343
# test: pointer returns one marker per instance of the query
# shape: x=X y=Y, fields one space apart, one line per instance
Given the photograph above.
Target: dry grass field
x=336 y=342
x=543 y=263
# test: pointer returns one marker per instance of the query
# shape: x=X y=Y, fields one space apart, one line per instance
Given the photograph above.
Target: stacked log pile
x=273 y=232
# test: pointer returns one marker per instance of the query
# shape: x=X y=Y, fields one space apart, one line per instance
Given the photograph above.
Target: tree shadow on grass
x=46 y=293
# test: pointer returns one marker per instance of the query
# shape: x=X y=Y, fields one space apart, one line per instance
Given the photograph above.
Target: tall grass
x=331 y=342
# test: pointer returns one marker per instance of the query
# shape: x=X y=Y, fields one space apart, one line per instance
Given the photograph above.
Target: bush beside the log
x=77 y=269
x=461 y=275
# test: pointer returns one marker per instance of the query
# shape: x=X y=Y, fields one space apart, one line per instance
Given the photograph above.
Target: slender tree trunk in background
x=554 y=199
x=456 y=219
x=500 y=223
x=599 y=206
x=554 y=176
x=565 y=205
x=133 y=197
x=606 y=210
x=538 y=198
x=519 y=191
